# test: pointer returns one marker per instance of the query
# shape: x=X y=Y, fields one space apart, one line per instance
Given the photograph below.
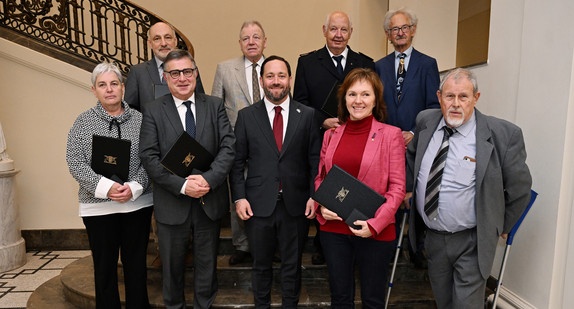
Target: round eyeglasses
x=177 y=73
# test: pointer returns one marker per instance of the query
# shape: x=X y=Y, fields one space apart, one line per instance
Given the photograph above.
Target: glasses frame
x=179 y=72
x=403 y=28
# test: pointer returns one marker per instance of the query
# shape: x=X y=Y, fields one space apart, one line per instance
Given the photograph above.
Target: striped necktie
x=435 y=175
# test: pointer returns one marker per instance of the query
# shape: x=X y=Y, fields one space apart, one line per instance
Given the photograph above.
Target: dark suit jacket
x=140 y=84
x=316 y=74
x=295 y=166
x=419 y=88
x=160 y=129
x=503 y=179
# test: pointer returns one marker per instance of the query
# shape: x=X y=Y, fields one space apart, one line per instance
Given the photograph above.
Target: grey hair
x=249 y=23
x=408 y=13
x=459 y=73
x=329 y=17
x=105 y=67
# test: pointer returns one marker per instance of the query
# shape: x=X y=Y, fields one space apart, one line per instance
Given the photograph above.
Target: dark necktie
x=339 y=64
x=189 y=121
x=278 y=127
x=401 y=73
x=435 y=175
x=161 y=75
x=255 y=84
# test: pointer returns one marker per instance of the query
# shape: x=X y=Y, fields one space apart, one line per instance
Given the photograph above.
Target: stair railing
x=82 y=32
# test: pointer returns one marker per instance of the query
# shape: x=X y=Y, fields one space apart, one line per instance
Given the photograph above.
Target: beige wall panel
x=41 y=98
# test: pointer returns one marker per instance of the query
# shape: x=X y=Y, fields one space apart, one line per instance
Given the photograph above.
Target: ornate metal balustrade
x=82 y=32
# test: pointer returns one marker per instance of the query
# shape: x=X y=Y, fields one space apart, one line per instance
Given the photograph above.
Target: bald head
x=161 y=39
x=337 y=31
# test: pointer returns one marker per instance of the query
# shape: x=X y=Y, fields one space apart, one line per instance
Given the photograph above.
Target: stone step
x=74 y=289
x=226 y=245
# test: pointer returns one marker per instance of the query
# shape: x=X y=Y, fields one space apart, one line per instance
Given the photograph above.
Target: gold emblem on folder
x=342 y=194
x=110 y=160
x=188 y=159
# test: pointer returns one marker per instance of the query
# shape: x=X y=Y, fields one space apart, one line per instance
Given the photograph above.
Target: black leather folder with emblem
x=111 y=157
x=331 y=104
x=185 y=155
x=348 y=197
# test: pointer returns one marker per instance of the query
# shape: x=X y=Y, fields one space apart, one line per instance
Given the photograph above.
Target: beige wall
x=40 y=99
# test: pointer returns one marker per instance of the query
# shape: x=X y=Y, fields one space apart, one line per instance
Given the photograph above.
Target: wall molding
x=24 y=58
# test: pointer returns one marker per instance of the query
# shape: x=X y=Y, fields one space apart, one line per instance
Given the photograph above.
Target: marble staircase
x=74 y=287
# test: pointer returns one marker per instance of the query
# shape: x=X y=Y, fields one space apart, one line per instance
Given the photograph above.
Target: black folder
x=160 y=90
x=348 y=197
x=111 y=157
x=331 y=104
x=185 y=155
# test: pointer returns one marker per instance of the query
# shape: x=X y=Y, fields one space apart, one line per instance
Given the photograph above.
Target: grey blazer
x=230 y=84
x=161 y=127
x=503 y=179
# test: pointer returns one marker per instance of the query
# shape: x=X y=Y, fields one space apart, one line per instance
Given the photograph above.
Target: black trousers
x=109 y=235
x=372 y=257
x=288 y=233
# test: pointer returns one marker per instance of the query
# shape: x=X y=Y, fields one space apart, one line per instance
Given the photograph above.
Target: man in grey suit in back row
x=194 y=204
x=237 y=83
x=470 y=185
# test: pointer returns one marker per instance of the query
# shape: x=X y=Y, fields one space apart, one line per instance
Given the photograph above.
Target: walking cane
x=509 y=240
x=397 y=253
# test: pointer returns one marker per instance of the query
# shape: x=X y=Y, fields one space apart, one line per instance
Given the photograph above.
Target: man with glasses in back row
x=410 y=80
x=194 y=204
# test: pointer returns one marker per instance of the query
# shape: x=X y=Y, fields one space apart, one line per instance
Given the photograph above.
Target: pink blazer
x=382 y=168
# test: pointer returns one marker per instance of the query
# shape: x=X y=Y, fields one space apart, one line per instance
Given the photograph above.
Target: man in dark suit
x=194 y=204
x=279 y=137
x=416 y=91
x=237 y=83
x=470 y=185
x=145 y=77
x=319 y=70
x=419 y=74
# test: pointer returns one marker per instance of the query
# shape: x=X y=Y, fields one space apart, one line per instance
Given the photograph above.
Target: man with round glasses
x=410 y=87
x=410 y=79
x=194 y=204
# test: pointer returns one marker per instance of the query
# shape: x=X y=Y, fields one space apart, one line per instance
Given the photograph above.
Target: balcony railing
x=82 y=32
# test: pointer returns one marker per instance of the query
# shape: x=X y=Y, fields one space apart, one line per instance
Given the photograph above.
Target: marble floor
x=17 y=285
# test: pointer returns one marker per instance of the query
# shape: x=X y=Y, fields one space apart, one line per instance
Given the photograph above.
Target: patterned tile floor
x=17 y=285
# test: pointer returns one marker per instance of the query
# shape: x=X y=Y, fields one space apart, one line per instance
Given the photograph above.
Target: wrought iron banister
x=82 y=32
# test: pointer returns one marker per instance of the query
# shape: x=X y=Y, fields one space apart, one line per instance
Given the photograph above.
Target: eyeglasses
x=177 y=73
x=404 y=29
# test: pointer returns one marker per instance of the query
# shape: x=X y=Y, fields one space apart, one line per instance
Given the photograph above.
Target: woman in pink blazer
x=374 y=153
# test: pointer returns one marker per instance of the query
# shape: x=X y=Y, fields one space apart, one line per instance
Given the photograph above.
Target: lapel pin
x=299 y=111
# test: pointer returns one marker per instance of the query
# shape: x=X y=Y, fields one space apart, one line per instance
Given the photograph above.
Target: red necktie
x=278 y=127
